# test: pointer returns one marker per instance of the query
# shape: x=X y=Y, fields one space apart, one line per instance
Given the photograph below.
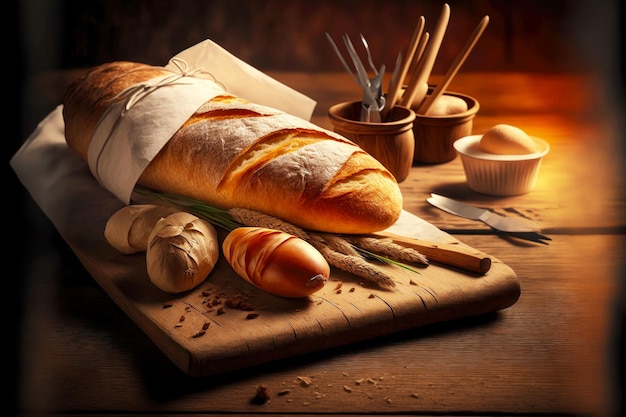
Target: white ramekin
x=500 y=175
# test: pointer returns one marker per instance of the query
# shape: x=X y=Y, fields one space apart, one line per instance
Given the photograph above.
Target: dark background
x=48 y=36
x=522 y=35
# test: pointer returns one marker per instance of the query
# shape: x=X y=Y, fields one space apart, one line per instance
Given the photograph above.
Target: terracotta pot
x=391 y=142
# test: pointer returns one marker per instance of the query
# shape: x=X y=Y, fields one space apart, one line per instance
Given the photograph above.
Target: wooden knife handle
x=445 y=253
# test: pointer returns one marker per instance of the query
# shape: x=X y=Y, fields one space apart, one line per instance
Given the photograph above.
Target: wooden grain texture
x=543 y=355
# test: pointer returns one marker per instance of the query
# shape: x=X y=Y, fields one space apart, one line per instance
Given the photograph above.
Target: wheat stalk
x=254 y=218
x=388 y=248
x=356 y=265
x=339 y=244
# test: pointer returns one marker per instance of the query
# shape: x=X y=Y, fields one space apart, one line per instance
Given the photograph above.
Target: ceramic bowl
x=500 y=175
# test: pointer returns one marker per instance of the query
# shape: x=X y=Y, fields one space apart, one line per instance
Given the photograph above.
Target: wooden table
x=552 y=352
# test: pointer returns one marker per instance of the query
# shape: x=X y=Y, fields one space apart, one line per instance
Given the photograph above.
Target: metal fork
x=369 y=54
x=373 y=99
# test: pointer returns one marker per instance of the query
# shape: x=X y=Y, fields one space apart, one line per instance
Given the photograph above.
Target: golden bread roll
x=224 y=155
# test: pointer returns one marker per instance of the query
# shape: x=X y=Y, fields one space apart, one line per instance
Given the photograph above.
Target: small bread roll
x=182 y=250
x=129 y=228
x=503 y=139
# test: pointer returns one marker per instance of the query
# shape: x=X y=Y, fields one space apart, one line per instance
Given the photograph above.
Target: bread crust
x=232 y=153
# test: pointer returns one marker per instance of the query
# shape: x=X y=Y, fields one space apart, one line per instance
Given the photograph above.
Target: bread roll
x=129 y=228
x=181 y=252
x=301 y=174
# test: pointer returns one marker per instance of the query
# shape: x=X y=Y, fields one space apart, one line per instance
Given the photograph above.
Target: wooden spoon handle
x=429 y=57
x=394 y=88
x=413 y=88
x=454 y=68
x=445 y=253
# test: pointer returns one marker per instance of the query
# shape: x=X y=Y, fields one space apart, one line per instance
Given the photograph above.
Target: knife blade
x=494 y=220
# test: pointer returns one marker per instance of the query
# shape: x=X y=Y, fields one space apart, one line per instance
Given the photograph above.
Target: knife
x=496 y=221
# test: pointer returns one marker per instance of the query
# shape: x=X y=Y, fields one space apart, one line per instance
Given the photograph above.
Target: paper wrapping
x=243 y=80
x=144 y=117
x=117 y=162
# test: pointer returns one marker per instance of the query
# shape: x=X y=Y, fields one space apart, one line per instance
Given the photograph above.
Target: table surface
x=550 y=353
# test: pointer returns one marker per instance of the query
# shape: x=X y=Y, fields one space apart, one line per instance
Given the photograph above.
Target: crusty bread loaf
x=212 y=158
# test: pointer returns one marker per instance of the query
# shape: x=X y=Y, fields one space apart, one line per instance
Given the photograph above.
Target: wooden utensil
x=445 y=253
x=418 y=61
x=394 y=88
x=419 y=54
x=454 y=68
x=423 y=71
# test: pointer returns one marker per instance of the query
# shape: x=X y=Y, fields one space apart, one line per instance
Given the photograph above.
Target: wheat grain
x=356 y=265
x=254 y=218
x=339 y=244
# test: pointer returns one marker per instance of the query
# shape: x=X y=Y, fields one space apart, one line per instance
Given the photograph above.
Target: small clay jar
x=391 y=142
x=435 y=135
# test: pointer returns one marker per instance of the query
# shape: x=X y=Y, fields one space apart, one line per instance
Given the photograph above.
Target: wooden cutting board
x=226 y=323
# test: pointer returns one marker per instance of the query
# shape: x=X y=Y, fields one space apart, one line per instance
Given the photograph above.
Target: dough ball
x=503 y=139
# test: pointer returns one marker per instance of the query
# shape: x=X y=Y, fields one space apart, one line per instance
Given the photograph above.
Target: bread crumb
x=305 y=381
x=262 y=395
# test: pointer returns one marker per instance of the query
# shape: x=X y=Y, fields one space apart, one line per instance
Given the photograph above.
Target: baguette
x=223 y=155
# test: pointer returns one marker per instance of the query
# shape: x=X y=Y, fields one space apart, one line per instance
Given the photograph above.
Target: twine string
x=135 y=93
x=132 y=95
